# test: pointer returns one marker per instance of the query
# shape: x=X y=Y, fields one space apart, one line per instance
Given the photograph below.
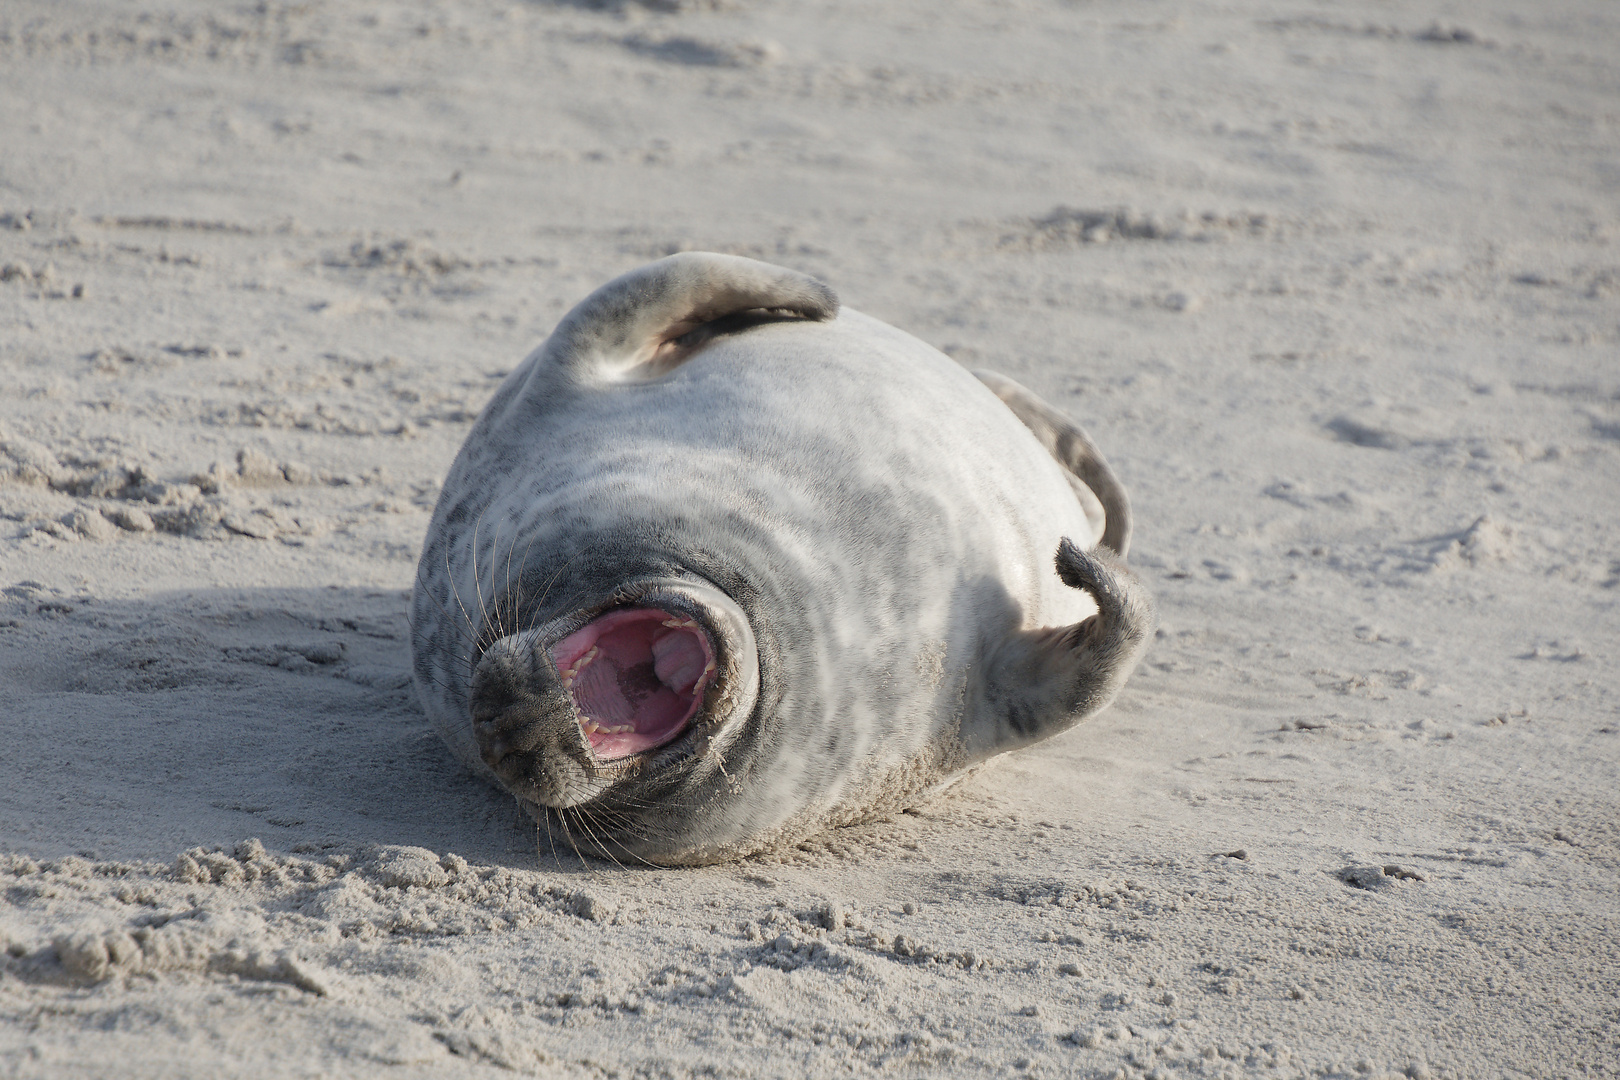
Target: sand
x=1336 y=287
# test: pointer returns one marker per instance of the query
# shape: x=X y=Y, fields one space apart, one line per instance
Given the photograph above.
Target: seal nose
x=526 y=727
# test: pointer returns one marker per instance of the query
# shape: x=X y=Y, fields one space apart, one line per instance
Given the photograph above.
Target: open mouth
x=636 y=676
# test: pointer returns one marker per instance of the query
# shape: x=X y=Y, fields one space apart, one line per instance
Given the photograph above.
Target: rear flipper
x=1101 y=494
x=1040 y=682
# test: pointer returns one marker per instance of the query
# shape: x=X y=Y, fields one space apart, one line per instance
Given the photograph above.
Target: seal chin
x=636 y=677
x=659 y=678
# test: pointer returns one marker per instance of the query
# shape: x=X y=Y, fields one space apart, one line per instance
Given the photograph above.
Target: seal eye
x=636 y=677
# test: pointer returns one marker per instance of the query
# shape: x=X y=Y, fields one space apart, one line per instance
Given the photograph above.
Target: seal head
x=657 y=679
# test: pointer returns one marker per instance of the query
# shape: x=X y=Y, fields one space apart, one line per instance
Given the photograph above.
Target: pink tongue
x=637 y=677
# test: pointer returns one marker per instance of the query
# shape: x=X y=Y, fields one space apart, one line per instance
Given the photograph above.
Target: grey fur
x=865 y=532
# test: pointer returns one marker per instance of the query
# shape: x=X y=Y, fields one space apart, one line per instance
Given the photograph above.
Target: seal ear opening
x=646 y=323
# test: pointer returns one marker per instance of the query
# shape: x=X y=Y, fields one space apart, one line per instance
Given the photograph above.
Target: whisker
x=478 y=585
x=449 y=618
x=455 y=591
x=514 y=601
x=585 y=824
x=626 y=849
x=517 y=602
x=569 y=837
x=551 y=837
x=626 y=823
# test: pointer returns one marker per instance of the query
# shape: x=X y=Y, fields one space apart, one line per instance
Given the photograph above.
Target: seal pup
x=720 y=566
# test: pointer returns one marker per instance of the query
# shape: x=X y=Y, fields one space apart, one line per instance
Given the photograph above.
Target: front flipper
x=1037 y=683
x=1098 y=489
x=644 y=324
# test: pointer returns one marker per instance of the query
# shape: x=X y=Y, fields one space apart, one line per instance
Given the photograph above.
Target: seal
x=721 y=565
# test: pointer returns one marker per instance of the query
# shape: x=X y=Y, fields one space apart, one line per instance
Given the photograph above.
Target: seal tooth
x=591 y=727
x=569 y=674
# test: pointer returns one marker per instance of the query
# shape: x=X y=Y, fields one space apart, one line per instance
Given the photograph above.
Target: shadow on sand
x=136 y=729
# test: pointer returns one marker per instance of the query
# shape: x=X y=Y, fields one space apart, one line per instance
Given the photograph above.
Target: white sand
x=1365 y=392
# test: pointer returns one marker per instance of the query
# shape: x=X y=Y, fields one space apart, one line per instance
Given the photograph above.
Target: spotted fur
x=909 y=566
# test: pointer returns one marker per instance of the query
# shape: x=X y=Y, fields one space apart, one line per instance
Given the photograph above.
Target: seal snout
x=565 y=712
x=526 y=727
x=636 y=677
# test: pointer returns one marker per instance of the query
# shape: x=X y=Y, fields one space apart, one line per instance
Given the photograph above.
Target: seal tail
x=647 y=322
x=1040 y=682
x=1072 y=447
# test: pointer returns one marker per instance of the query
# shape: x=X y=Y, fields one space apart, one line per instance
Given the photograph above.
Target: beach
x=1336 y=288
